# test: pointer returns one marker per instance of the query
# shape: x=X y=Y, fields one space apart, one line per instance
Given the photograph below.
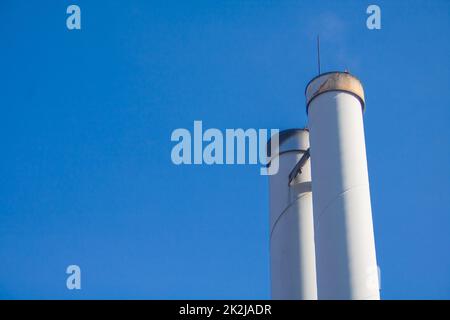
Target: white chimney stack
x=344 y=241
x=292 y=254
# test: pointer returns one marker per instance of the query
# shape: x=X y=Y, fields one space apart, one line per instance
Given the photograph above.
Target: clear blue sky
x=86 y=176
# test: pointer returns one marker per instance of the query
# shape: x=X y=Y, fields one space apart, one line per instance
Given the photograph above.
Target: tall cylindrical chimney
x=292 y=254
x=345 y=248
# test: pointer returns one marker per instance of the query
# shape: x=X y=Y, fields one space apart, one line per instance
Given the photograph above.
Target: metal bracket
x=298 y=167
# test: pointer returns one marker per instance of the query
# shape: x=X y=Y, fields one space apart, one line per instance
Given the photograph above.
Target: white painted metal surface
x=292 y=254
x=344 y=241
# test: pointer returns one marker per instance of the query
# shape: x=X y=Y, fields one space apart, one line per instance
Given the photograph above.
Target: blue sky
x=85 y=167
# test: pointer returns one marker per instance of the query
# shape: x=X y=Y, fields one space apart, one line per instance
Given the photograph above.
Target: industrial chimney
x=321 y=234
x=344 y=241
x=292 y=254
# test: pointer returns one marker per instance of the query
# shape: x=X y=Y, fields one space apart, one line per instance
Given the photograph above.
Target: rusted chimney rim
x=334 y=81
